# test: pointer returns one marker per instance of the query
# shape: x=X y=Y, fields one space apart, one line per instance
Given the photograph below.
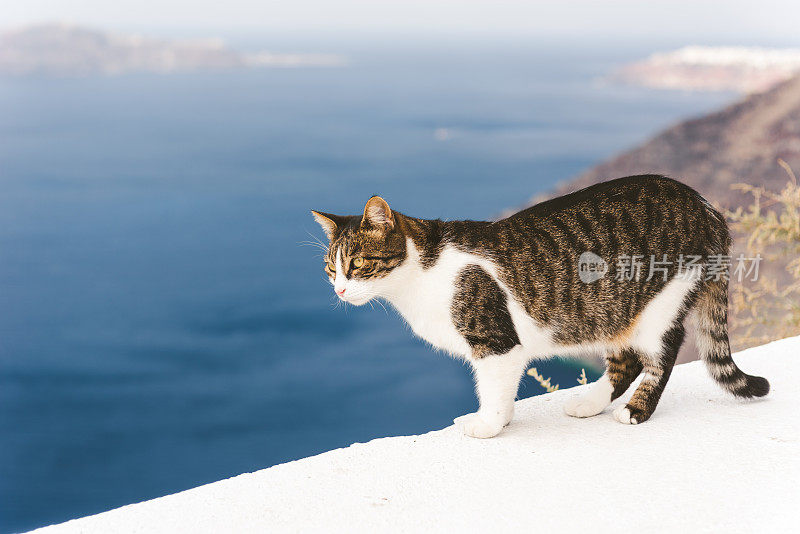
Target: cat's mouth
x=355 y=299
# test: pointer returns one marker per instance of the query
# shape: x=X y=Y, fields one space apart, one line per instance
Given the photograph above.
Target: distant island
x=710 y=68
x=65 y=50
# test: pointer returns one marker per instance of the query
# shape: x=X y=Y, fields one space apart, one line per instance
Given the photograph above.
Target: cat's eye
x=358 y=261
x=331 y=267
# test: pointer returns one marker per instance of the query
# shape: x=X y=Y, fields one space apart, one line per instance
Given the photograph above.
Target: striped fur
x=711 y=326
x=502 y=293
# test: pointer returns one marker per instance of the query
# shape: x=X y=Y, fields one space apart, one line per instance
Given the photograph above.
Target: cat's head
x=363 y=251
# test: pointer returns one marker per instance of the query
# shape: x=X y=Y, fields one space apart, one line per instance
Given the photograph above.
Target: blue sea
x=162 y=323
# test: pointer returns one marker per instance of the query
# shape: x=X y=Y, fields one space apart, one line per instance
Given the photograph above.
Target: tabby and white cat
x=502 y=293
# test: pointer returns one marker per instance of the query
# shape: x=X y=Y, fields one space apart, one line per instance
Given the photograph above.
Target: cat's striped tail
x=711 y=327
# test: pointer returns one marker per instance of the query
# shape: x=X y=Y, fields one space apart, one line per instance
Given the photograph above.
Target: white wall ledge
x=704 y=462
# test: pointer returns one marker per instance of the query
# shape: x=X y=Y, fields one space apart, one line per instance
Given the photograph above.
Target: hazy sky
x=697 y=20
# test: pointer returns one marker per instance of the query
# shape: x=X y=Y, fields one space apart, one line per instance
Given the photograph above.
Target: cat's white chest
x=424 y=298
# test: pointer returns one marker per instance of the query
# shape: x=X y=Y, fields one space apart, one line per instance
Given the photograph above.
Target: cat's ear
x=328 y=222
x=377 y=214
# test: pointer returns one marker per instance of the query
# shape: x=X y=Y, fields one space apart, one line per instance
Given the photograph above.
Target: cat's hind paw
x=623 y=415
x=474 y=426
x=584 y=406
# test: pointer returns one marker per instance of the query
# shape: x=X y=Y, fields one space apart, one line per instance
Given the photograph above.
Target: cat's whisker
x=315 y=239
x=382 y=305
x=312 y=244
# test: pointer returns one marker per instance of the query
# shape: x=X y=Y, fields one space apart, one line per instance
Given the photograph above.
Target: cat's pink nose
x=340 y=292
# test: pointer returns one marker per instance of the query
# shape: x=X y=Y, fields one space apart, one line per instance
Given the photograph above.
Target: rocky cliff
x=740 y=143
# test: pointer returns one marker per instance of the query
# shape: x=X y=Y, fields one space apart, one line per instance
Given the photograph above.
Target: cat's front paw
x=475 y=426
